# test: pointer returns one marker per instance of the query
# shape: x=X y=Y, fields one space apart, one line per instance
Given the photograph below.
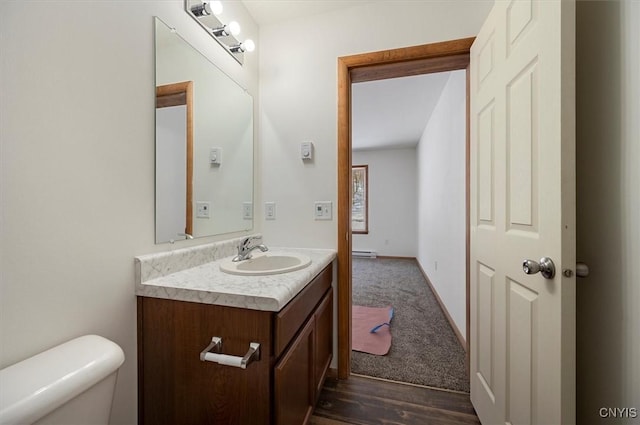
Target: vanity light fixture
x=232 y=28
x=247 y=46
x=205 y=13
x=207 y=8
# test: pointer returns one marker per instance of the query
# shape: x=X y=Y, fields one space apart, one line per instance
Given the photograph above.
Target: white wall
x=392 y=202
x=298 y=91
x=608 y=207
x=441 y=198
x=77 y=169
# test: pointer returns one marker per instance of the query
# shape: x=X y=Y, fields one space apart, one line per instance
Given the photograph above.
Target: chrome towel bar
x=213 y=353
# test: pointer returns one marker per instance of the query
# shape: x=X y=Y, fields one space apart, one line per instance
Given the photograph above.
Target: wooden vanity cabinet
x=293 y=379
x=300 y=373
x=323 y=341
x=176 y=387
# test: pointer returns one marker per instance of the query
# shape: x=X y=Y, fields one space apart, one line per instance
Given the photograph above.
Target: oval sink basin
x=266 y=264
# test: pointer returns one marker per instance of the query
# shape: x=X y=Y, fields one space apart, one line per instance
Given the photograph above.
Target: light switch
x=203 y=209
x=247 y=210
x=323 y=210
x=270 y=210
x=215 y=156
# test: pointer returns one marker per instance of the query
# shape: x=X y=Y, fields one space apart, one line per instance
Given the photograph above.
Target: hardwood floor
x=363 y=400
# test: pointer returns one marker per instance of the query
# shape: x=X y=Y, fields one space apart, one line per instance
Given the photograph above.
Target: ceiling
x=394 y=112
x=385 y=113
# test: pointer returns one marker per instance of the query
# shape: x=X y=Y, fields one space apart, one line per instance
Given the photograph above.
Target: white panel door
x=523 y=207
x=171 y=156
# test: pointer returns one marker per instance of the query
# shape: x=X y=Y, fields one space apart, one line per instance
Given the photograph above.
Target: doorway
x=174 y=155
x=430 y=58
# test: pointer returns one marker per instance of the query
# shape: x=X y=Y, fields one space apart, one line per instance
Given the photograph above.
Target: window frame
x=365 y=170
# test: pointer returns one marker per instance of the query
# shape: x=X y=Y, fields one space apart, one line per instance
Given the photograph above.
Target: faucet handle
x=246 y=242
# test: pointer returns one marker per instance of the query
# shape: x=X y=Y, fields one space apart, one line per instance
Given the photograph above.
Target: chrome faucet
x=245 y=248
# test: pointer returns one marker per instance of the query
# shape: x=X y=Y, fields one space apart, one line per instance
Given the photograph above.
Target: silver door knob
x=545 y=267
x=582 y=270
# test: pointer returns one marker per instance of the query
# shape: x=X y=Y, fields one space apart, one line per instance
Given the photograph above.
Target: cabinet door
x=323 y=341
x=294 y=380
x=176 y=387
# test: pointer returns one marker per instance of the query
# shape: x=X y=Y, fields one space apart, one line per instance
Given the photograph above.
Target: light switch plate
x=323 y=210
x=270 y=210
x=203 y=209
x=247 y=210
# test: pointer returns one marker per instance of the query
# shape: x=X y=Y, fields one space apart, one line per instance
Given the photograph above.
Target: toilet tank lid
x=36 y=386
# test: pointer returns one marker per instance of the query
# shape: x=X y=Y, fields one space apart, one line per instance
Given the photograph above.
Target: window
x=360 y=199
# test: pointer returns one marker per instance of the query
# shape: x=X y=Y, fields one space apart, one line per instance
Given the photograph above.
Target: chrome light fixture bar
x=246 y=46
x=206 y=8
x=232 y=28
x=206 y=13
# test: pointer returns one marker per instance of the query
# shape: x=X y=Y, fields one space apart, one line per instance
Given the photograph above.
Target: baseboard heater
x=363 y=254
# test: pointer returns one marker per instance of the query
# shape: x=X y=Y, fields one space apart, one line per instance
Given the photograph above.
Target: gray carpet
x=424 y=349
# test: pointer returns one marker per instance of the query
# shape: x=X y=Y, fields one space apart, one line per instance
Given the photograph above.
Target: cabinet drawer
x=288 y=321
x=176 y=387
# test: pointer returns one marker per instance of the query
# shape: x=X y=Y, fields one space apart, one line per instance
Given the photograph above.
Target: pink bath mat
x=366 y=319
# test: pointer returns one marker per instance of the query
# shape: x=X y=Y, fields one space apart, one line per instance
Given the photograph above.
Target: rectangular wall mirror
x=204 y=144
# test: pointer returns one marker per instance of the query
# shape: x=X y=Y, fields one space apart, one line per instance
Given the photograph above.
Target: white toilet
x=72 y=383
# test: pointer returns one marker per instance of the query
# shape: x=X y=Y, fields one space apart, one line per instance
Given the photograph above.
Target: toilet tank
x=71 y=383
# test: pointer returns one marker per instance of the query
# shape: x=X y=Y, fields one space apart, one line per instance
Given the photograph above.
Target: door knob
x=582 y=270
x=545 y=267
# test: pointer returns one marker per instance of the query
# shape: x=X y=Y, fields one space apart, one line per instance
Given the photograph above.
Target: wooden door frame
x=416 y=60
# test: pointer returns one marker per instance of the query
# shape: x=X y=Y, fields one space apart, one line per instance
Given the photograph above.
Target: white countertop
x=207 y=284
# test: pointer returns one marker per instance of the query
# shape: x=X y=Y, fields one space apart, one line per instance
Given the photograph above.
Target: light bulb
x=246 y=46
x=216 y=7
x=233 y=27
x=249 y=45
x=202 y=9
